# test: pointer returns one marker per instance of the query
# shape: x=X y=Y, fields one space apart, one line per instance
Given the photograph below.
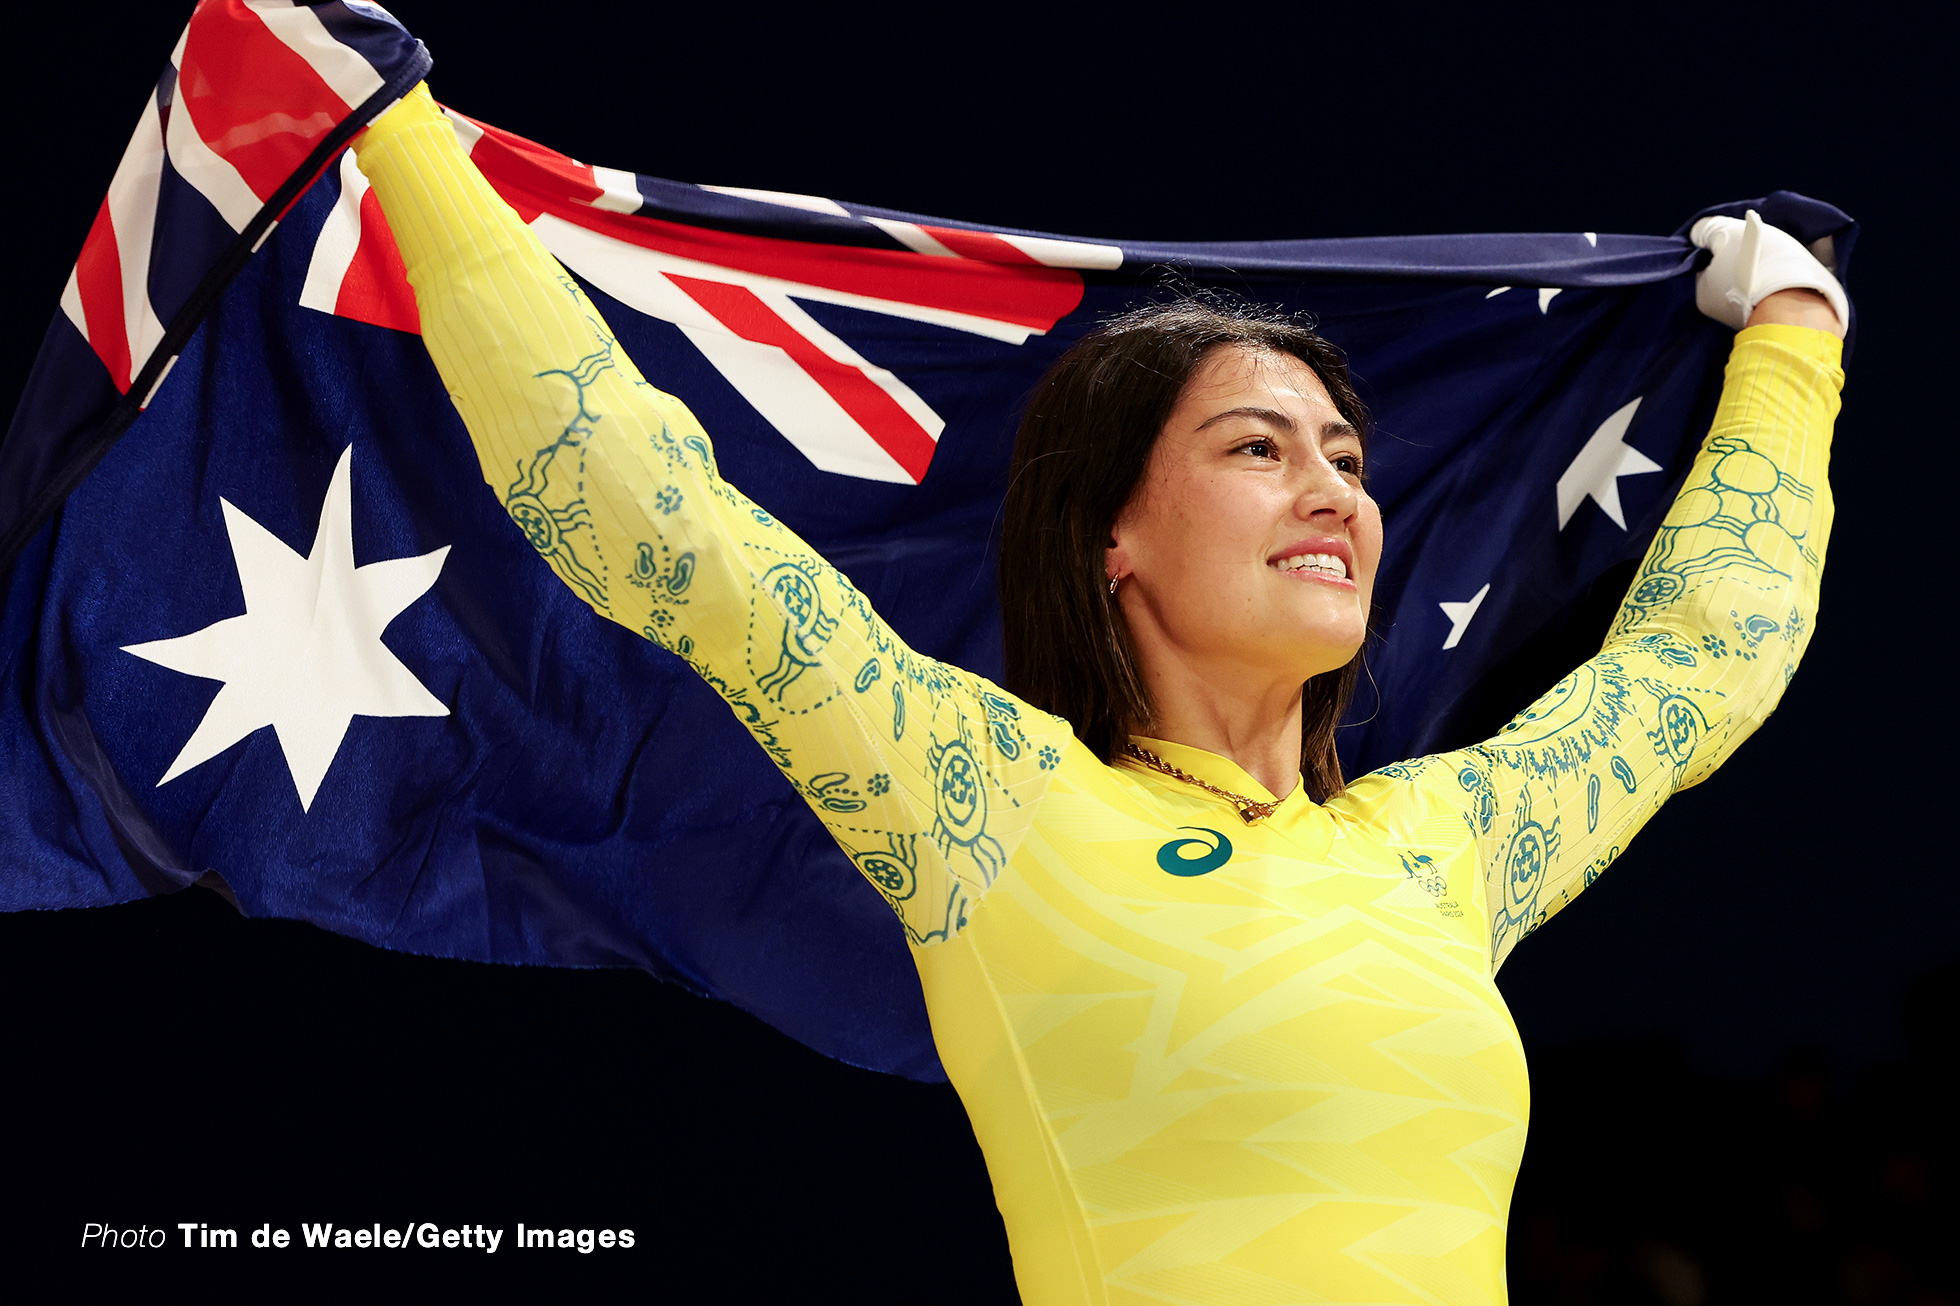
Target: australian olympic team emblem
x=806 y=627
x=960 y=798
x=1422 y=870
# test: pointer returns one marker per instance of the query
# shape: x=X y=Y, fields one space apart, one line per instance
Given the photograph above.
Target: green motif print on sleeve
x=547 y=500
x=665 y=580
x=832 y=792
x=1680 y=727
x=893 y=871
x=926 y=776
x=1663 y=703
x=1528 y=854
x=1749 y=517
x=961 y=813
x=806 y=628
x=1475 y=781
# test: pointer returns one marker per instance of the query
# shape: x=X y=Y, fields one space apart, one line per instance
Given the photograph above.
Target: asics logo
x=1174 y=858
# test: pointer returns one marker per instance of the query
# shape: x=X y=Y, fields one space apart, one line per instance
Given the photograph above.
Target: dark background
x=1742 y=1039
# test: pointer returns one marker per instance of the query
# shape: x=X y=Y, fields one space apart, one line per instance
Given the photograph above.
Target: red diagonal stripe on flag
x=375 y=287
x=256 y=103
x=994 y=280
x=980 y=245
x=738 y=309
x=1034 y=297
x=98 y=281
x=519 y=164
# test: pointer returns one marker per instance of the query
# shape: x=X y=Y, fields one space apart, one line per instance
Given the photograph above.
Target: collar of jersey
x=1298 y=817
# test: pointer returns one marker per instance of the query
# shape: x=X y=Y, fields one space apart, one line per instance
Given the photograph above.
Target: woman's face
x=1249 y=547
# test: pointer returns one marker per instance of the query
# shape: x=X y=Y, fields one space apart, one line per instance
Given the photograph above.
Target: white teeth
x=1327 y=564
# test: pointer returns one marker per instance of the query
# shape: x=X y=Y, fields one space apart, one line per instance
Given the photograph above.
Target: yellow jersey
x=1207 y=1062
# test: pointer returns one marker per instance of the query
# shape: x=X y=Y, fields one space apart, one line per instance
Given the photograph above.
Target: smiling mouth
x=1327 y=566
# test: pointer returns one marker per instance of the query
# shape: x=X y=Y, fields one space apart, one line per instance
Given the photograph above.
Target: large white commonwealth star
x=306 y=657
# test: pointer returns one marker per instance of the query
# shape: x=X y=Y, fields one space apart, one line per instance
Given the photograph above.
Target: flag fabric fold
x=263 y=618
x=256 y=98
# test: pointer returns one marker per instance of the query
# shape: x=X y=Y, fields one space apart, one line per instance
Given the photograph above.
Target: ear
x=1116 y=558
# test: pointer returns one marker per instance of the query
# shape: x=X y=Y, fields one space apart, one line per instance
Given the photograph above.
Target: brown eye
x=1259 y=449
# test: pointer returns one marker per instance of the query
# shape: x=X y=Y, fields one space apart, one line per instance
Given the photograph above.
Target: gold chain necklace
x=1250 y=809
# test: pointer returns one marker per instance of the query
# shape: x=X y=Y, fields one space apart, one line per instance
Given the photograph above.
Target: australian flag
x=264 y=626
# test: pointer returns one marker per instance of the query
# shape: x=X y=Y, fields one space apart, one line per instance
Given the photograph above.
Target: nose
x=1326 y=498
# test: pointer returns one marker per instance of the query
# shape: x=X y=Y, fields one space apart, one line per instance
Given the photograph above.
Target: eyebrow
x=1274 y=417
x=1269 y=415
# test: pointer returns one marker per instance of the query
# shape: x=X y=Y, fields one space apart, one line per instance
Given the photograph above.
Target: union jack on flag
x=736 y=294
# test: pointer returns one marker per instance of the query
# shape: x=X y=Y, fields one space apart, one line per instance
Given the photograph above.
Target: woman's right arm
x=926 y=775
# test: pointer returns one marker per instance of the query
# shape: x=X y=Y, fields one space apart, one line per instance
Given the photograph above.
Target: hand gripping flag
x=263 y=619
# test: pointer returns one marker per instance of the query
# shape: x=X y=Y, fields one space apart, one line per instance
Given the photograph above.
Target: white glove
x=1753 y=261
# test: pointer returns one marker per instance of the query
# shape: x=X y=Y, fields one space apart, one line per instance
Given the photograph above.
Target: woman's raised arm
x=1708 y=636
x=928 y=776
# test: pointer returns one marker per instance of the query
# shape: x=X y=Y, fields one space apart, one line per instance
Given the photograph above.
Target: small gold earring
x=1112 y=583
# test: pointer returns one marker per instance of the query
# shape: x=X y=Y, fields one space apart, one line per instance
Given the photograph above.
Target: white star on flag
x=306 y=657
x=1460 y=614
x=1545 y=296
x=1596 y=472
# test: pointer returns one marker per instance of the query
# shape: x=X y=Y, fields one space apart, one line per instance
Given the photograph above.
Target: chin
x=1334 y=640
x=1336 y=636
x=1324 y=652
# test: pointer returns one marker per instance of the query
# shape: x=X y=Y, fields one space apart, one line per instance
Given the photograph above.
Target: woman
x=1223 y=1036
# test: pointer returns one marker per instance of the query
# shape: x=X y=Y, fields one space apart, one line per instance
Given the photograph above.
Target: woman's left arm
x=1709 y=634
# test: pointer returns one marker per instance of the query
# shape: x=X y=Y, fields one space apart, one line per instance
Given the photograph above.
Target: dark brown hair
x=1081 y=451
